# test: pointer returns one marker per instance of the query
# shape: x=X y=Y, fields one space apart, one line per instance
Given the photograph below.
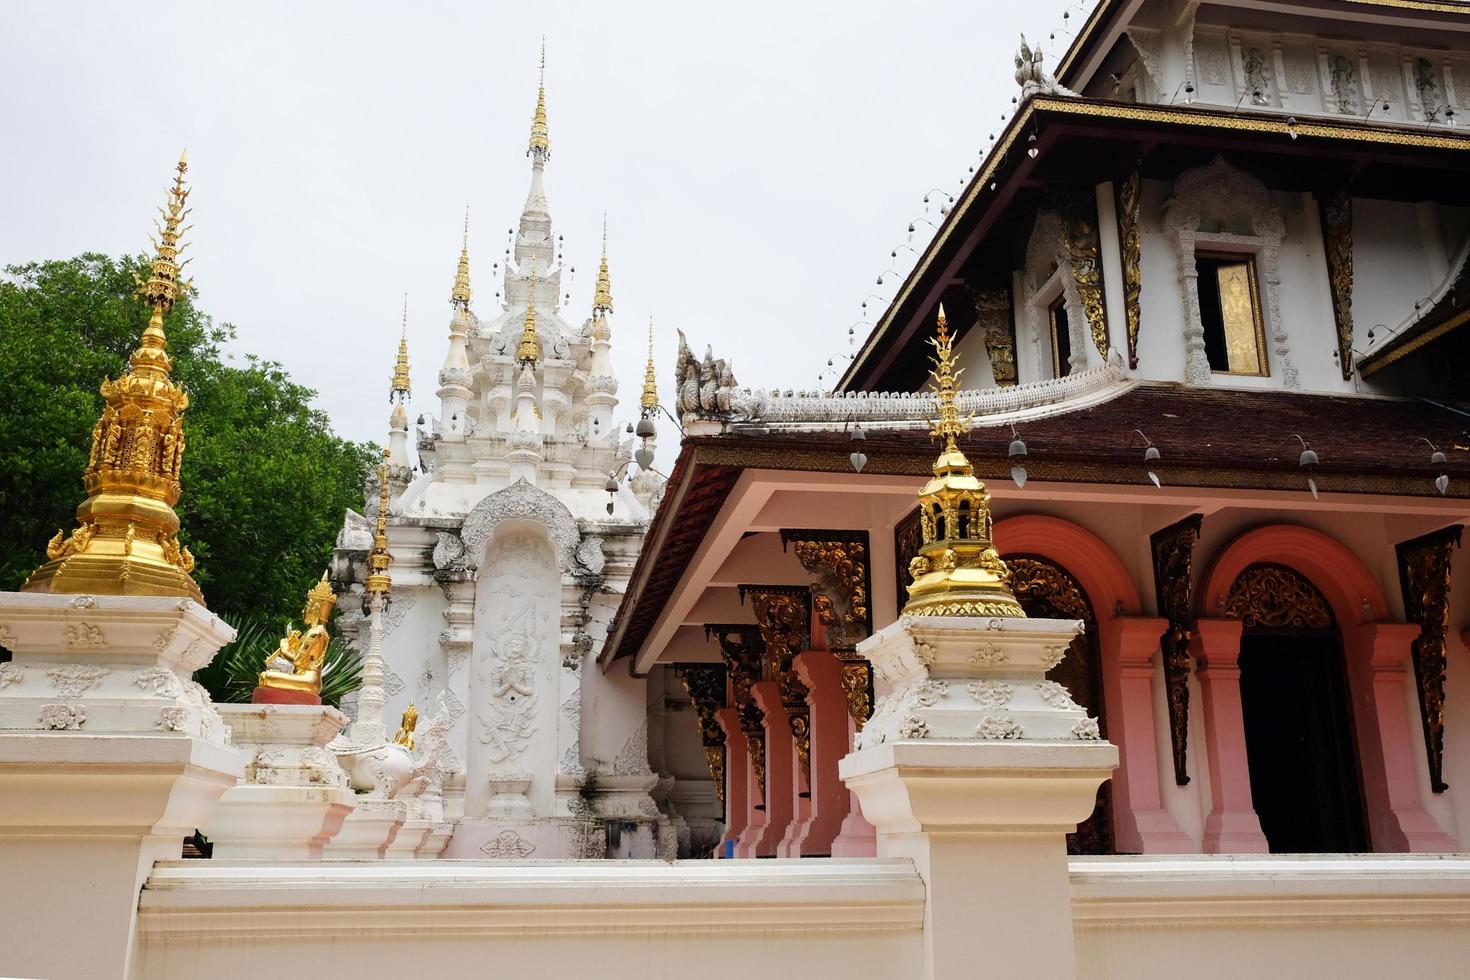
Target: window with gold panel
x=1230 y=312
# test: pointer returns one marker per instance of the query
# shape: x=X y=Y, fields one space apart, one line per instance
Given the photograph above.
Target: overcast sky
x=758 y=162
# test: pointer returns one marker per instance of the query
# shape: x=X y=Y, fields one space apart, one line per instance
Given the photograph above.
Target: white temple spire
x=398 y=394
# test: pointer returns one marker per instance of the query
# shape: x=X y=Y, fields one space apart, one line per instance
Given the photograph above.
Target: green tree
x=265 y=479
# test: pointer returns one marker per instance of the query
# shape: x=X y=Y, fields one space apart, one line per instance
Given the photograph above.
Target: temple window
x=1230 y=312
x=1061 y=338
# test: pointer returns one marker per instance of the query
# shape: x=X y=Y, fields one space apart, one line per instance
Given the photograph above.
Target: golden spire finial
x=126 y=540
x=649 y=400
x=602 y=296
x=540 y=137
x=528 y=351
x=401 y=385
x=460 y=295
x=957 y=571
x=378 y=557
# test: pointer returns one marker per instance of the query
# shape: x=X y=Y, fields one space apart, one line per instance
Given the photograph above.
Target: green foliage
x=265 y=479
x=232 y=675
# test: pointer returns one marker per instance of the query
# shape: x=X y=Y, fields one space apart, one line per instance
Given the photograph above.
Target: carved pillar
x=783 y=777
x=739 y=781
x=1173 y=554
x=1130 y=206
x=1337 y=240
x=1231 y=827
x=1079 y=235
x=783 y=614
x=705 y=684
x=742 y=650
x=1141 y=824
x=457 y=641
x=1424 y=576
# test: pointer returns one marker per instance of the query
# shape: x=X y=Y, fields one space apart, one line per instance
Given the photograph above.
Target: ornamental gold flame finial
x=649 y=400
x=459 y=297
x=379 y=559
x=401 y=386
x=602 y=296
x=126 y=540
x=957 y=571
x=528 y=351
x=540 y=135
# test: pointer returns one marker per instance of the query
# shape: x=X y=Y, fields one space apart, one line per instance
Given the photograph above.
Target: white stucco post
x=110 y=754
x=975 y=767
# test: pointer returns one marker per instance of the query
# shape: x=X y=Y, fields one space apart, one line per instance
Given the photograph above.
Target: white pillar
x=110 y=754
x=976 y=768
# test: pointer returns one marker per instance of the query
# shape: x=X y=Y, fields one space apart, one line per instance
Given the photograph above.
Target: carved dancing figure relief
x=1257 y=76
x=1343 y=88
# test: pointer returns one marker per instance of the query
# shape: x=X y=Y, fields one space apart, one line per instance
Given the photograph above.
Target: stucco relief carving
x=161 y=682
x=632 y=760
x=1219 y=206
x=11 y=674
x=1148 y=43
x=85 y=636
x=589 y=555
x=75 y=680
x=1048 y=261
x=509 y=677
x=172 y=719
x=894 y=716
x=449 y=552
x=520 y=501
x=507 y=846
x=62 y=717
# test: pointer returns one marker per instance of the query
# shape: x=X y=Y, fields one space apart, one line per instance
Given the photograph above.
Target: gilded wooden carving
x=1130 y=244
x=705 y=684
x=996 y=323
x=743 y=651
x=1173 y=557
x=1079 y=234
x=1337 y=235
x=1277 y=597
x=1424 y=576
x=908 y=537
x=783 y=615
x=838 y=561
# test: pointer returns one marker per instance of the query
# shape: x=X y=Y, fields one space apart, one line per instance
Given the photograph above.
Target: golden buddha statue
x=406 y=729
x=295 y=667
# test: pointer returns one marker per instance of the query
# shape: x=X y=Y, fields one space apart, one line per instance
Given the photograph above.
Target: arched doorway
x=1046 y=590
x=1305 y=780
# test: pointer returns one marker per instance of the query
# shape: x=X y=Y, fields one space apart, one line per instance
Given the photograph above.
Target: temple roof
x=1207 y=438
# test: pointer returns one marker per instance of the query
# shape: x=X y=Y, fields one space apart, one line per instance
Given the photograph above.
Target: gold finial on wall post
x=957 y=571
x=649 y=400
x=379 y=559
x=126 y=539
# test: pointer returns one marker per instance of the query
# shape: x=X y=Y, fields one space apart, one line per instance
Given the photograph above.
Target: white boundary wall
x=1200 y=917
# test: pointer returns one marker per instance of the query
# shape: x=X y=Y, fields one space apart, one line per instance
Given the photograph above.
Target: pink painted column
x=858 y=837
x=737 y=779
x=1378 y=670
x=760 y=839
x=1231 y=827
x=821 y=672
x=1141 y=824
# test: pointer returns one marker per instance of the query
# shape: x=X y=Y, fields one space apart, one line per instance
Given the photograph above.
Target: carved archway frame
x=1377 y=653
x=1049 y=269
x=1224 y=195
x=1127 y=644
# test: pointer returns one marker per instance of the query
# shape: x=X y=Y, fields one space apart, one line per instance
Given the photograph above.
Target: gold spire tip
x=649 y=400
x=602 y=301
x=540 y=138
x=401 y=385
x=459 y=296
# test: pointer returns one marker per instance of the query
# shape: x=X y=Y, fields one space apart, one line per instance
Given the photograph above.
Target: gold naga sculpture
x=957 y=571
x=295 y=667
x=126 y=541
x=406 y=728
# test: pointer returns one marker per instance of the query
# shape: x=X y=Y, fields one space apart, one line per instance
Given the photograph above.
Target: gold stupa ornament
x=540 y=135
x=126 y=540
x=379 y=559
x=602 y=295
x=528 y=351
x=401 y=387
x=957 y=571
x=460 y=295
x=649 y=400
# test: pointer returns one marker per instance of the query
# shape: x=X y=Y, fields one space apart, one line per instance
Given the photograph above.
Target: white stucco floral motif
x=172 y=719
x=1087 y=730
x=989 y=655
x=75 y=680
x=84 y=636
x=11 y=674
x=999 y=727
x=1054 y=694
x=161 y=682
x=62 y=717
x=508 y=845
x=991 y=694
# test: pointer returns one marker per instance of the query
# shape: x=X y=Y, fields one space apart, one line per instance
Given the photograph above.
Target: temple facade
x=1209 y=281
x=509 y=556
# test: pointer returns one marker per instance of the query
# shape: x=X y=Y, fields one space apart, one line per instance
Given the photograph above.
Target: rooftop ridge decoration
x=378 y=581
x=528 y=351
x=401 y=385
x=957 y=571
x=648 y=401
x=459 y=296
x=540 y=134
x=126 y=540
x=602 y=295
